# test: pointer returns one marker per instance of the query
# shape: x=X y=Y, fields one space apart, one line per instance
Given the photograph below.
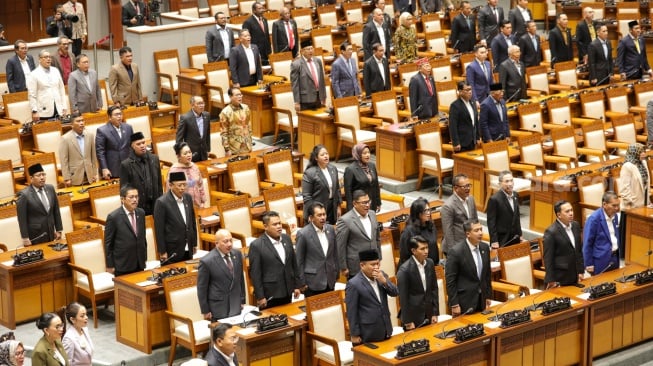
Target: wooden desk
x=279 y=347
x=28 y=291
x=260 y=105
x=639 y=236
x=396 y=155
x=314 y=128
x=166 y=116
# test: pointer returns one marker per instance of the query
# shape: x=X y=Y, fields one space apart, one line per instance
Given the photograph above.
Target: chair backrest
x=197 y=56
x=598 y=7
x=385 y=104
x=235 y=215
x=326 y=315
x=139 y=119
x=546 y=51
x=393 y=305
x=8 y=226
x=282 y=200
x=530 y=149
x=278 y=167
x=49 y=164
x=272 y=16
x=274 y=4
x=181 y=297
x=323 y=38
x=643 y=93
x=217 y=73
x=280 y=63
x=465 y=60
x=442 y=290
x=566 y=73
x=431 y=22
x=245 y=6
x=353 y=11
x=406 y=72
x=11 y=145
x=327 y=16
x=303 y=16
x=538 y=78
x=446 y=92
x=346 y=111
x=17 y=107
x=216 y=141
x=66 y=212
x=106 y=101
x=191 y=12
x=428 y=138
x=47 y=138
x=104 y=200
x=516 y=264
x=388 y=262
x=594 y=135
x=618 y=99
x=4 y=88
x=590 y=190
x=559 y=111
x=93 y=121
x=167 y=62
x=530 y=117
x=355 y=34
x=496 y=155
x=592 y=105
x=282 y=97
x=624 y=128
x=435 y=42
x=6 y=179
x=87 y=249
x=164 y=146
x=243 y=176
x=150 y=237
x=564 y=142
x=216 y=6
x=441 y=69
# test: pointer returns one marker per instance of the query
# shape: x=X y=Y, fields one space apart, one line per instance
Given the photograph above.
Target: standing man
x=563 y=248
x=468 y=272
x=376 y=71
x=141 y=171
x=80 y=28
x=356 y=231
x=503 y=221
x=457 y=209
x=519 y=16
x=45 y=90
x=366 y=296
x=174 y=221
x=344 y=73
x=599 y=56
x=512 y=75
x=133 y=13
x=284 y=33
x=376 y=32
x=219 y=39
x=529 y=44
x=77 y=155
x=245 y=62
x=317 y=253
x=560 y=41
x=124 y=235
x=221 y=280
x=125 y=80
x=223 y=350
x=63 y=60
x=56 y=25
x=631 y=54
x=194 y=129
x=307 y=79
x=19 y=67
x=501 y=42
x=112 y=143
x=83 y=87
x=463 y=29
x=489 y=18
x=236 y=123
x=39 y=219
x=418 y=287
x=585 y=33
x=380 y=4
x=257 y=26
x=421 y=89
x=3 y=39
x=464 y=126
x=494 y=116
x=273 y=266
x=601 y=236
x=479 y=75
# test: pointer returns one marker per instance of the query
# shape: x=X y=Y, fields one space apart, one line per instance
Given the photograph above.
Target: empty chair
x=283 y=106
x=167 y=69
x=326 y=333
x=197 y=56
x=429 y=151
x=217 y=84
x=348 y=121
x=8 y=226
x=17 y=107
x=47 y=137
x=517 y=266
x=140 y=120
x=11 y=145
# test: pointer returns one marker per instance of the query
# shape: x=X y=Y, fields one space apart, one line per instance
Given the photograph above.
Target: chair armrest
x=216 y=88
x=81 y=224
x=447 y=147
x=393 y=197
x=525 y=168
x=535 y=93
x=511 y=286
x=560 y=87
x=326 y=340
x=97 y=220
x=166 y=76
x=539 y=274
x=384 y=119
x=520 y=133
x=371 y=121
x=507 y=288
x=432 y=154
x=588 y=206
x=268 y=185
x=347 y=127
x=216 y=196
x=617 y=145
x=552 y=126
x=256 y=224
x=582 y=120
x=611 y=114
x=86 y=272
x=207 y=237
x=239 y=236
x=180 y=318
x=297 y=177
x=637 y=109
x=273 y=78
x=557 y=159
x=594 y=152
x=282 y=111
x=3 y=247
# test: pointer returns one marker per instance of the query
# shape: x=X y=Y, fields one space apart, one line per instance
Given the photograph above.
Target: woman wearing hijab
x=361 y=174
x=634 y=179
x=12 y=353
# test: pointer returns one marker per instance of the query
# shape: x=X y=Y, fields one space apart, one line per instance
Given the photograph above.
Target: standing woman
x=48 y=350
x=320 y=183
x=361 y=174
x=634 y=182
x=12 y=353
x=184 y=164
x=405 y=39
x=77 y=342
x=419 y=223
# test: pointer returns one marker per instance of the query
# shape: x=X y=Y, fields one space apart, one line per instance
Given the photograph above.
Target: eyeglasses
x=466 y=186
x=19 y=353
x=364 y=203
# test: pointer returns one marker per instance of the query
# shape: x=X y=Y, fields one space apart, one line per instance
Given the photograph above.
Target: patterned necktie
x=44 y=199
x=313 y=73
x=132 y=218
x=479 y=262
x=228 y=262
x=428 y=85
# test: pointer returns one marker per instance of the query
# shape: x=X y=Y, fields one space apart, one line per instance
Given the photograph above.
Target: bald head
x=223 y=241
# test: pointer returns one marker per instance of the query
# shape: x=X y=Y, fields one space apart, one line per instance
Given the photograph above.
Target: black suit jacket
x=529 y=55
x=33 y=219
x=461 y=129
x=562 y=260
x=488 y=27
x=126 y=251
x=417 y=304
x=500 y=49
x=502 y=221
x=52 y=27
x=464 y=287
x=316 y=188
x=355 y=178
x=270 y=276
x=280 y=38
x=513 y=80
x=110 y=148
x=239 y=65
x=129 y=11
x=517 y=21
x=368 y=317
x=371 y=36
x=600 y=66
x=260 y=38
x=16 y=81
x=214 y=45
x=135 y=173
x=219 y=290
x=559 y=50
x=317 y=271
x=372 y=79
x=420 y=96
x=462 y=36
x=214 y=358
x=188 y=131
x=629 y=61
x=172 y=234
x=583 y=38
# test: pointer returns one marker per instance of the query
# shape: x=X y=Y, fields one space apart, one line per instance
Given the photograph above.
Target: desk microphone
x=38 y=237
x=604 y=79
x=589 y=289
x=417 y=110
x=444 y=333
x=455 y=44
x=535 y=306
x=497 y=316
x=153 y=278
x=245 y=324
x=625 y=279
x=513 y=95
x=167 y=259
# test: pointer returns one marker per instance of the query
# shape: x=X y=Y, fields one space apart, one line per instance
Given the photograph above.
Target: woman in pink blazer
x=77 y=342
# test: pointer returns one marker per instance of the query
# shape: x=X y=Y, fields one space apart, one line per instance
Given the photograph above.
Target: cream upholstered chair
x=280 y=63
x=497 y=159
x=326 y=330
x=447 y=93
x=348 y=123
x=217 y=149
x=217 y=6
x=442 y=290
x=618 y=100
x=282 y=200
x=236 y=217
x=9 y=228
x=197 y=56
x=244 y=177
x=47 y=137
x=560 y=114
x=593 y=105
x=531 y=153
x=590 y=190
x=517 y=266
x=245 y=6
x=538 y=81
x=303 y=16
x=429 y=151
x=594 y=138
x=87 y=261
x=11 y=145
x=566 y=74
x=195 y=362
x=327 y=16
x=93 y=121
x=167 y=69
x=4 y=88
x=406 y=72
x=66 y=212
x=49 y=164
x=393 y=306
x=103 y=201
x=564 y=145
x=283 y=106
x=17 y=107
x=643 y=93
x=139 y=119
x=217 y=84
x=7 y=187
x=191 y=12
x=353 y=12
x=152 y=260
x=625 y=131
x=164 y=147
x=106 y=96
x=384 y=104
x=188 y=327
x=441 y=69
x=388 y=264
x=530 y=117
x=278 y=166
x=355 y=35
x=431 y=23
x=436 y=43
x=323 y=38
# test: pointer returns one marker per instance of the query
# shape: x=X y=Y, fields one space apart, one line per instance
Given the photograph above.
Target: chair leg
x=338 y=148
x=94 y=305
x=173 y=349
x=440 y=184
x=419 y=179
x=276 y=132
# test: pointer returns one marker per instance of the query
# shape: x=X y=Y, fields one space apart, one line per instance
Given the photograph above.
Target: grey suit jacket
x=74 y=164
x=219 y=290
x=124 y=90
x=318 y=270
x=111 y=149
x=488 y=26
x=172 y=234
x=270 y=276
x=72 y=343
x=453 y=215
x=126 y=251
x=303 y=86
x=81 y=97
x=188 y=131
x=352 y=238
x=33 y=219
x=316 y=188
x=215 y=48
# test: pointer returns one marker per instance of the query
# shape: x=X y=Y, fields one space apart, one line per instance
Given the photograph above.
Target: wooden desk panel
x=316 y=127
x=190 y=84
x=260 y=105
x=396 y=155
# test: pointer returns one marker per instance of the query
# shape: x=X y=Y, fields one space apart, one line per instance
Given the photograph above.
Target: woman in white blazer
x=77 y=342
x=634 y=179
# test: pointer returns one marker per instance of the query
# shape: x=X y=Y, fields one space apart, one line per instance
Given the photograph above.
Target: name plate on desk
x=413 y=348
x=602 y=290
x=27 y=257
x=271 y=322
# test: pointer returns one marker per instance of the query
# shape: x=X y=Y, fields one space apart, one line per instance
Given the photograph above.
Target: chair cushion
x=521 y=184
x=283 y=121
x=397 y=330
x=101 y=281
x=361 y=136
x=346 y=354
x=446 y=164
x=165 y=84
x=519 y=271
x=201 y=329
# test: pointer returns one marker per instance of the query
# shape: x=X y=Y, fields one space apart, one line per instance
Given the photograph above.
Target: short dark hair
x=559 y=15
x=457 y=178
x=217 y=15
x=126 y=188
x=478 y=47
x=343 y=46
x=79 y=57
x=111 y=109
x=267 y=215
x=220 y=331
x=467 y=225
x=75 y=114
x=124 y=50
x=230 y=91
x=462 y=85
x=17 y=43
x=504 y=23
x=608 y=196
x=358 y=194
x=313 y=206
x=254 y=5
x=376 y=46
x=557 y=207
x=413 y=243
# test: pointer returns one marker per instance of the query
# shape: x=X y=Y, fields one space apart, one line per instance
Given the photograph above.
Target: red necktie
x=74 y=8
x=261 y=23
x=291 y=36
x=428 y=85
x=312 y=67
x=138 y=10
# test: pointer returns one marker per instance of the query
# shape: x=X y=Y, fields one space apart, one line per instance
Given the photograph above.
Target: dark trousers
x=309 y=292
x=276 y=302
x=77 y=46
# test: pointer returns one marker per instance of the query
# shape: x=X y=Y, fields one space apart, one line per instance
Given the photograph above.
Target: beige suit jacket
x=79 y=28
x=123 y=89
x=631 y=187
x=74 y=164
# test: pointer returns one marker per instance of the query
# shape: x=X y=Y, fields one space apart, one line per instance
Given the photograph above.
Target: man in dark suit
x=489 y=18
x=503 y=221
x=501 y=42
x=141 y=170
x=371 y=35
x=356 y=230
x=344 y=73
x=468 y=272
x=404 y=6
x=494 y=124
x=387 y=20
x=194 y=129
x=219 y=40
x=307 y=79
x=240 y=62
x=3 y=40
x=585 y=33
x=317 y=253
x=273 y=266
x=39 y=219
x=112 y=143
x=285 y=37
x=421 y=89
x=16 y=78
x=124 y=235
x=464 y=126
x=457 y=209
x=463 y=29
x=366 y=296
x=601 y=236
x=560 y=41
x=512 y=75
x=257 y=26
x=518 y=16
x=221 y=280
x=631 y=54
x=563 y=257
x=418 y=295
x=223 y=351
x=373 y=79
x=599 y=57
x=529 y=44
x=479 y=75
x=56 y=25
x=133 y=13
x=174 y=221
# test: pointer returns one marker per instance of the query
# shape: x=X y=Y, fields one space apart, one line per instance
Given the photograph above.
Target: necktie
x=518 y=68
x=605 y=49
x=564 y=36
x=351 y=72
x=138 y=9
x=479 y=262
x=469 y=23
x=200 y=126
x=636 y=41
x=496 y=14
x=260 y=22
x=74 y=7
x=227 y=260
x=44 y=199
x=132 y=219
x=313 y=73
x=615 y=223
x=534 y=43
x=428 y=85
x=483 y=68
x=592 y=31
x=500 y=110
x=80 y=141
x=291 y=36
